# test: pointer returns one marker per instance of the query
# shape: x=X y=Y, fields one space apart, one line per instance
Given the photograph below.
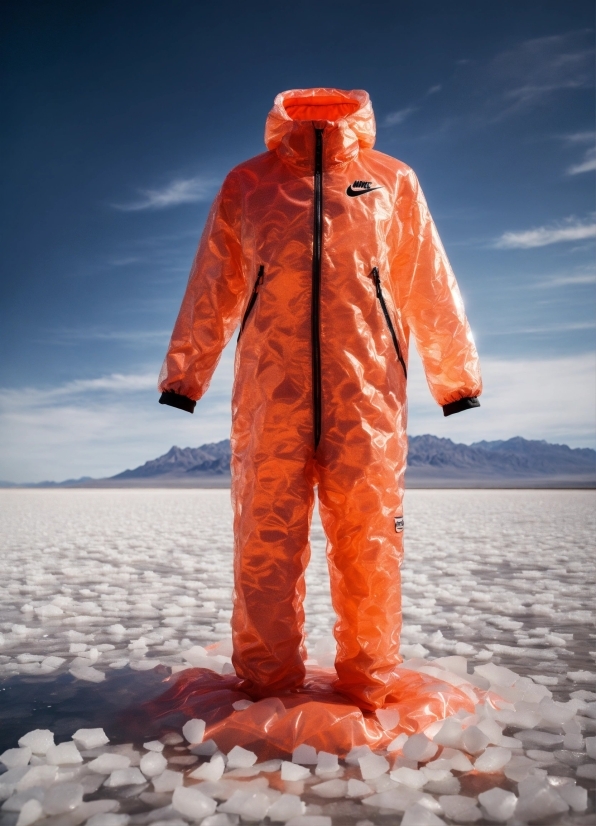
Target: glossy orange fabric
x=255 y=263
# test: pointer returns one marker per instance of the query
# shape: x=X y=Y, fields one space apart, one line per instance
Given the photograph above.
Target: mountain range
x=432 y=462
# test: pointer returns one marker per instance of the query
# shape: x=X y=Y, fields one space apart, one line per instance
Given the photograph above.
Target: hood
x=346 y=117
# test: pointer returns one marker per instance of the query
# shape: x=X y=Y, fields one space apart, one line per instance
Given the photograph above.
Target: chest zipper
x=252 y=299
x=377 y=282
x=316 y=287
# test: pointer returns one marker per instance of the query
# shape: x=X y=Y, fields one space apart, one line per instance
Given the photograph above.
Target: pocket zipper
x=253 y=298
x=377 y=282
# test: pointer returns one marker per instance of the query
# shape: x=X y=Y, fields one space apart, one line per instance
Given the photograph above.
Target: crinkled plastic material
x=324 y=252
x=314 y=715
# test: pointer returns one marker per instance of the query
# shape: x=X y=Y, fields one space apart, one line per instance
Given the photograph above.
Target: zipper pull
x=376 y=280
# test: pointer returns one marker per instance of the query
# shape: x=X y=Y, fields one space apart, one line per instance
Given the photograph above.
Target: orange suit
x=324 y=252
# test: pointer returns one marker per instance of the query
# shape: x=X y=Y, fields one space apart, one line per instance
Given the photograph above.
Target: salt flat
x=99 y=582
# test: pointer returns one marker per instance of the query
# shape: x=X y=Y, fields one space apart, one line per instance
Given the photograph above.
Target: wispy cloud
x=566 y=280
x=399 y=116
x=570 y=230
x=580 y=137
x=587 y=165
x=434 y=89
x=546 y=329
x=70 y=335
x=177 y=192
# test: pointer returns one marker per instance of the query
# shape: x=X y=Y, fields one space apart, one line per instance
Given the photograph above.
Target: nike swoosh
x=354 y=193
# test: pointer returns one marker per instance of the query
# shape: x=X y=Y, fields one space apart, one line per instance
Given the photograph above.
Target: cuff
x=177 y=400
x=459 y=405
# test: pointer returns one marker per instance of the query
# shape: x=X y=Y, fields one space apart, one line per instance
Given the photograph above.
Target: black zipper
x=316 y=287
x=252 y=299
x=377 y=281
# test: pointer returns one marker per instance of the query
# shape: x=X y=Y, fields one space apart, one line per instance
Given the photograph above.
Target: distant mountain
x=432 y=462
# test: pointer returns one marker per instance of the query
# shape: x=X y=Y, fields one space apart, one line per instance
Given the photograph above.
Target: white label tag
x=399 y=523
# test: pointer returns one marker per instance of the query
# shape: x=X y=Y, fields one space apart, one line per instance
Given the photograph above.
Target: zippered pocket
x=377 y=282
x=252 y=300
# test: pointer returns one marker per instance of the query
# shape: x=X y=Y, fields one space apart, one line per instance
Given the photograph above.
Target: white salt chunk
x=294 y=771
x=16 y=757
x=588 y=771
x=498 y=675
x=205 y=749
x=356 y=788
x=573 y=735
x=538 y=738
x=543 y=758
x=255 y=807
x=107 y=763
x=474 y=740
x=305 y=755
x=582 y=676
x=498 y=804
x=124 y=777
x=591 y=747
x=574 y=796
x=240 y=758
x=459 y=761
x=167 y=781
x=219 y=819
x=434 y=776
x=409 y=777
x=31 y=812
x=388 y=718
x=541 y=802
x=331 y=788
x=90 y=738
x=194 y=731
x=417 y=815
x=241 y=705
x=398 y=743
x=154 y=745
x=268 y=766
x=153 y=764
x=63 y=754
x=373 y=765
x=211 y=771
x=16 y=801
x=285 y=808
x=36 y=776
x=420 y=748
x=64 y=797
x=450 y=734
x=460 y=808
x=326 y=763
x=309 y=820
x=492 y=730
x=192 y=803
x=52 y=663
x=88 y=673
x=557 y=713
x=492 y=759
x=108 y=819
x=39 y=740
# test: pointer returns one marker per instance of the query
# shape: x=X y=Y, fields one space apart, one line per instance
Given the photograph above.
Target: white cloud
x=564 y=327
x=393 y=118
x=571 y=230
x=179 y=191
x=587 y=165
x=566 y=280
x=580 y=137
x=434 y=89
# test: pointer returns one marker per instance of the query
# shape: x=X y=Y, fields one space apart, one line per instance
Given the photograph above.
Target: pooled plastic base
x=315 y=715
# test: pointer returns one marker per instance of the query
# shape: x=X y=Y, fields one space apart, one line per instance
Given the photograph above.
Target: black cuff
x=459 y=405
x=177 y=400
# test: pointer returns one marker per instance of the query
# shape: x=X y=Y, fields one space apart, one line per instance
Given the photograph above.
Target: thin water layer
x=107 y=591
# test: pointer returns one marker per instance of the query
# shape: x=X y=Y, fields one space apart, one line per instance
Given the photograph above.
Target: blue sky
x=121 y=119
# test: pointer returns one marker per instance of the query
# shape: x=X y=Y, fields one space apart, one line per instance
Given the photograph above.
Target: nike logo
x=360 y=188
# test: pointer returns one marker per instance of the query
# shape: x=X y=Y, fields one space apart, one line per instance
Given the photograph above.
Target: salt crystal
x=88 y=673
x=210 y=771
x=538 y=738
x=460 y=808
x=573 y=735
x=492 y=730
x=305 y=755
x=269 y=766
x=194 y=731
x=581 y=676
x=294 y=771
x=574 y=796
x=591 y=747
x=35 y=776
x=398 y=743
x=409 y=777
x=219 y=819
x=557 y=713
x=39 y=740
x=241 y=705
x=458 y=761
x=239 y=758
x=153 y=764
x=373 y=765
x=497 y=674
x=16 y=801
x=417 y=815
x=331 y=788
x=493 y=759
x=32 y=811
x=90 y=738
x=388 y=718
x=309 y=820
x=435 y=775
x=420 y=748
x=255 y=807
x=124 y=777
x=205 y=749
x=16 y=757
x=543 y=758
x=107 y=763
x=116 y=630
x=474 y=740
x=285 y=808
x=449 y=785
x=498 y=804
x=172 y=739
x=167 y=781
x=153 y=745
x=192 y=803
x=450 y=734
x=108 y=819
x=540 y=802
x=356 y=788
x=326 y=763
x=52 y=663
x=588 y=771
x=64 y=797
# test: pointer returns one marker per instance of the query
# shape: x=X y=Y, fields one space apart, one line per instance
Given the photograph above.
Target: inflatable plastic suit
x=324 y=252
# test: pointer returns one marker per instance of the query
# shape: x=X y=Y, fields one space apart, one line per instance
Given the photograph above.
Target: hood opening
x=322 y=107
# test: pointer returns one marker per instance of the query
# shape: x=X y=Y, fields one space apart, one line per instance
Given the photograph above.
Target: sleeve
x=211 y=306
x=432 y=306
